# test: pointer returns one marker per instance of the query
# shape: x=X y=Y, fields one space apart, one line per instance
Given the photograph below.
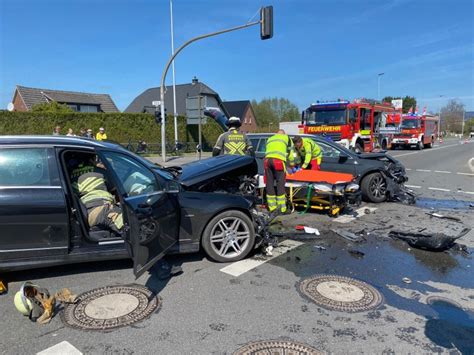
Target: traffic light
x=158 y=117
x=266 y=22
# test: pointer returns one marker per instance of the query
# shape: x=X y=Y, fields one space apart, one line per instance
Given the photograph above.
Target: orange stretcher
x=321 y=190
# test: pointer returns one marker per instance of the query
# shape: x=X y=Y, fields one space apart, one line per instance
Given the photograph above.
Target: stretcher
x=321 y=191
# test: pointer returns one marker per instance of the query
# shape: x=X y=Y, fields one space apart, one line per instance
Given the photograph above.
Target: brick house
x=24 y=98
x=242 y=109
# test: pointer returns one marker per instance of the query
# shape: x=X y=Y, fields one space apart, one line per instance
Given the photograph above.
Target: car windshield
x=326 y=117
x=408 y=124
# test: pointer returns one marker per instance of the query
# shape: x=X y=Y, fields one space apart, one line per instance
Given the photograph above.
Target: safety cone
x=466 y=141
x=441 y=140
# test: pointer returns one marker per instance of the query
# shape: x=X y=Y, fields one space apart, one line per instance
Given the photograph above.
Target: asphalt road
x=208 y=311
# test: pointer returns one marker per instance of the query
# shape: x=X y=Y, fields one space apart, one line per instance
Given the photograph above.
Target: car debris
x=319 y=247
x=352 y=237
x=396 y=189
x=437 y=215
x=406 y=280
x=431 y=242
x=310 y=230
x=356 y=253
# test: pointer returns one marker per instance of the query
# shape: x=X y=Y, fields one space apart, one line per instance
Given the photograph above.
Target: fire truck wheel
x=358 y=148
x=374 y=188
x=420 y=145
x=430 y=144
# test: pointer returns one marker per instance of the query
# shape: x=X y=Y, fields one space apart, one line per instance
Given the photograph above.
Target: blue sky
x=322 y=49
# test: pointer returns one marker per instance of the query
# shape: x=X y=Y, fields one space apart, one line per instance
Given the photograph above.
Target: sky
x=321 y=49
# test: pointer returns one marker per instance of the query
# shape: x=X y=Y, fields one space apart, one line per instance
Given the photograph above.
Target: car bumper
x=405 y=141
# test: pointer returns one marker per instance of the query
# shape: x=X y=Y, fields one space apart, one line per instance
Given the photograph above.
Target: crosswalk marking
x=62 y=348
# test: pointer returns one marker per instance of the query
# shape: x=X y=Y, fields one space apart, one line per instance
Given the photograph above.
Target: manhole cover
x=277 y=347
x=340 y=293
x=110 y=307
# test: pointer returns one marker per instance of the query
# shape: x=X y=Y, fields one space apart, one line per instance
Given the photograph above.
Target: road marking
x=63 y=348
x=429 y=150
x=424 y=170
x=241 y=267
x=468 y=174
x=442 y=172
x=466 y=192
x=407 y=169
x=438 y=189
x=349 y=218
x=413 y=186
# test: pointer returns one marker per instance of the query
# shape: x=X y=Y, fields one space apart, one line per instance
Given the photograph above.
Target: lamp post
x=174 y=80
x=439 y=117
x=378 y=85
x=266 y=32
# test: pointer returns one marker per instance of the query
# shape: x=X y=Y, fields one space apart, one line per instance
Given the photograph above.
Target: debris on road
x=310 y=230
x=431 y=242
x=437 y=215
x=3 y=288
x=319 y=247
x=406 y=280
x=348 y=235
x=356 y=253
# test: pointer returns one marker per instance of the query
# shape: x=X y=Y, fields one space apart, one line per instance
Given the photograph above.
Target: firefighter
x=279 y=150
x=233 y=141
x=99 y=202
x=309 y=151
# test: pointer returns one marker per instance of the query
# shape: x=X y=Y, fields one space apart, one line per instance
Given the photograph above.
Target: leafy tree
x=408 y=101
x=271 y=111
x=52 y=106
x=452 y=116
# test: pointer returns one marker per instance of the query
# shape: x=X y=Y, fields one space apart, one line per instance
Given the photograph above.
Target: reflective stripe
x=97 y=195
x=276 y=153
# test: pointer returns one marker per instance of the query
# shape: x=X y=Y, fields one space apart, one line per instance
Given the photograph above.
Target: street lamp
x=266 y=32
x=378 y=85
x=174 y=79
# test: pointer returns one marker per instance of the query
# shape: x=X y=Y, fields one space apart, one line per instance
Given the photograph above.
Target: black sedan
x=372 y=170
x=43 y=222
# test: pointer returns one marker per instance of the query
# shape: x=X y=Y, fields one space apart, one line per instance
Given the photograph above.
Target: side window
x=135 y=178
x=262 y=146
x=328 y=151
x=24 y=167
x=254 y=142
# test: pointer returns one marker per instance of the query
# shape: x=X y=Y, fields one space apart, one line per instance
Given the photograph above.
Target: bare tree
x=452 y=116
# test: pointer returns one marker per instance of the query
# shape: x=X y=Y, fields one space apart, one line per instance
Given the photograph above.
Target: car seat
x=95 y=233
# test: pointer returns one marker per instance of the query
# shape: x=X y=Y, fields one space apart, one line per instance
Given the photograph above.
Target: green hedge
x=120 y=127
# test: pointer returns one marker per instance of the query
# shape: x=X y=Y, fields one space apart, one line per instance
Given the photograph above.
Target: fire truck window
x=353 y=115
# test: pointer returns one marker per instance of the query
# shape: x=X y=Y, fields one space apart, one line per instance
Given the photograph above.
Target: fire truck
x=362 y=125
x=418 y=131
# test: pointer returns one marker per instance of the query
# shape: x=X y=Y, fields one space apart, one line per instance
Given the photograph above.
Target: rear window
x=24 y=167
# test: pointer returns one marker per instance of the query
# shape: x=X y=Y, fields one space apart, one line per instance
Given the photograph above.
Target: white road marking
x=241 y=267
x=359 y=212
x=438 y=189
x=468 y=174
x=413 y=186
x=63 y=348
x=424 y=170
x=428 y=150
x=466 y=192
x=442 y=172
x=407 y=169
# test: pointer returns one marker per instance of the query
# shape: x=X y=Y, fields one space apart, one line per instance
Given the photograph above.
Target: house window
x=73 y=107
x=88 y=108
x=250 y=120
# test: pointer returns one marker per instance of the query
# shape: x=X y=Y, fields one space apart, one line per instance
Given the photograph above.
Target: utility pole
x=378 y=85
x=174 y=79
x=439 y=117
x=462 y=126
x=266 y=32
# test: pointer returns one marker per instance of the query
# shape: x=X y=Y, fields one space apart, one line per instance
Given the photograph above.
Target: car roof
x=56 y=140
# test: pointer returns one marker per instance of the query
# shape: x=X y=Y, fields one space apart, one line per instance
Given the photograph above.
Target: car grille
x=334 y=136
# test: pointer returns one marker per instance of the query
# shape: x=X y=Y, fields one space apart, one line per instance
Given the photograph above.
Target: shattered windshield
x=409 y=124
x=327 y=117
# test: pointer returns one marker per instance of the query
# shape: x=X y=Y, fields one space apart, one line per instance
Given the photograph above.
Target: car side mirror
x=172 y=187
x=343 y=157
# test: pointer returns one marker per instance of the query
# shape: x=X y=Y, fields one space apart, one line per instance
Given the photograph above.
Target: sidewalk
x=178 y=161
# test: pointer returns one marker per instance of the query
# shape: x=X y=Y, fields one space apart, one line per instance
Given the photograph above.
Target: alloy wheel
x=378 y=187
x=229 y=237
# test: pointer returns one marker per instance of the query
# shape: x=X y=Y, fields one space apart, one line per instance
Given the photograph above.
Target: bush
x=120 y=127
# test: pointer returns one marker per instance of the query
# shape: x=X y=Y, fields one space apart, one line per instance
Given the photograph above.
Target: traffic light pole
x=163 y=77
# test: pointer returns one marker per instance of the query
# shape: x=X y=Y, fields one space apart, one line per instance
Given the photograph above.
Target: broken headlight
x=352 y=187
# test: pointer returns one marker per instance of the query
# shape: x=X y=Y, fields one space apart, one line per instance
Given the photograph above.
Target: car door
x=335 y=159
x=150 y=209
x=33 y=211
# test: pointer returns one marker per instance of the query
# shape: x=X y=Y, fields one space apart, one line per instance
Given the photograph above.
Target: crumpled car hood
x=211 y=168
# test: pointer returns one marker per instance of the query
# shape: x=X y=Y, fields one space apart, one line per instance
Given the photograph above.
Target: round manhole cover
x=340 y=293
x=110 y=307
x=277 y=347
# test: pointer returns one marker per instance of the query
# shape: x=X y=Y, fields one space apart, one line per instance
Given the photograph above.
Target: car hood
x=378 y=156
x=211 y=168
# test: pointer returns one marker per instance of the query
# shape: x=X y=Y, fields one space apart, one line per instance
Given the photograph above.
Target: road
x=211 y=310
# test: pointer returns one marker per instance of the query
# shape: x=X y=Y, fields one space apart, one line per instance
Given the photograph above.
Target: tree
x=271 y=111
x=408 y=101
x=52 y=106
x=452 y=116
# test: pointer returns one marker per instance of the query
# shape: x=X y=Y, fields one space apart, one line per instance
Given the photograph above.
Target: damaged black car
x=204 y=205
x=380 y=176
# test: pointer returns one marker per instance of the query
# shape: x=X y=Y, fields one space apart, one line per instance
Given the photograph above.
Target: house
x=242 y=109
x=24 y=98
x=143 y=102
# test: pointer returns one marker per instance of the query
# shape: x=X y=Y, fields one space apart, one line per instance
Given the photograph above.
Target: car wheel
x=229 y=236
x=374 y=188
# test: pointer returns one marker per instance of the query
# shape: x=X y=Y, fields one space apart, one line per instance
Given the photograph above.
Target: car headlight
x=352 y=187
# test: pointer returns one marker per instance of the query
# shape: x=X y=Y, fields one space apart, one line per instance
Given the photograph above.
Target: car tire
x=229 y=236
x=374 y=188
x=420 y=145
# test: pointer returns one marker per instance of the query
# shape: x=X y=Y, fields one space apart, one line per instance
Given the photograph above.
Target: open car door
x=150 y=211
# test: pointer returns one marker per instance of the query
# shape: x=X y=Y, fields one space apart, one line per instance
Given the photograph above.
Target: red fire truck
x=418 y=131
x=362 y=125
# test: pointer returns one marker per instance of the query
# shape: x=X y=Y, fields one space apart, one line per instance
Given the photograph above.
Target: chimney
x=195 y=80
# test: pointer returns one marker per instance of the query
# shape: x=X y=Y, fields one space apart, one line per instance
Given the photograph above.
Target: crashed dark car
x=379 y=175
x=202 y=205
